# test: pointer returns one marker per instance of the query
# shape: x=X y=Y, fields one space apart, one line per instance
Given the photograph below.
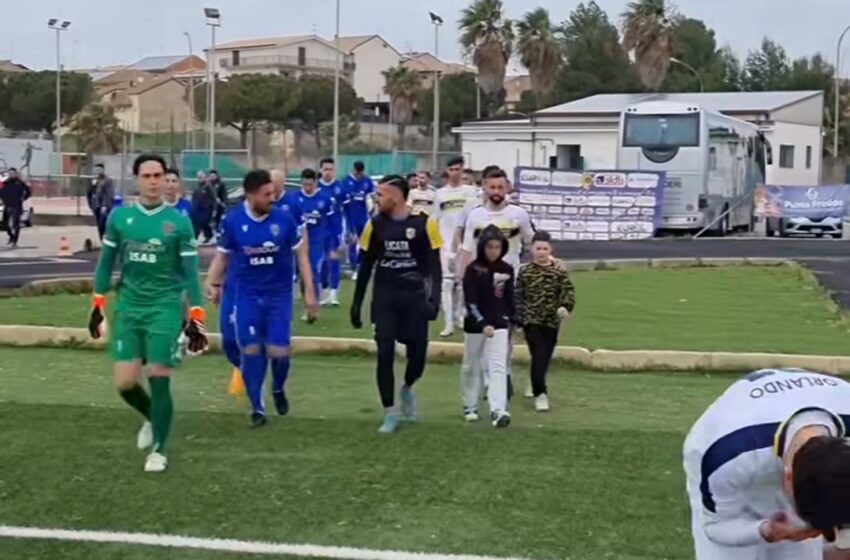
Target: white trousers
x=481 y=352
x=452 y=291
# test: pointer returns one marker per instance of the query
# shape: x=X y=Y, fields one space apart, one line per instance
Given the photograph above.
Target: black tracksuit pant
x=541 y=342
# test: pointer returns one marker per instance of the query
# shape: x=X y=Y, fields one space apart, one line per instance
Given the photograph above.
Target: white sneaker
x=470 y=415
x=354 y=276
x=500 y=419
x=144 y=439
x=529 y=391
x=447 y=332
x=541 y=403
x=326 y=298
x=156 y=462
x=333 y=298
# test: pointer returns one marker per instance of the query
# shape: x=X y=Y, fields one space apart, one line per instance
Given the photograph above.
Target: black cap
x=398 y=182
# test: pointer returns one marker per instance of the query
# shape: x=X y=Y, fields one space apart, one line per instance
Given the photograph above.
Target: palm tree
x=488 y=38
x=648 y=32
x=540 y=51
x=402 y=85
x=98 y=128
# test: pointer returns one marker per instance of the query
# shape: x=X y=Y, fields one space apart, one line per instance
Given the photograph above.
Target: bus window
x=661 y=131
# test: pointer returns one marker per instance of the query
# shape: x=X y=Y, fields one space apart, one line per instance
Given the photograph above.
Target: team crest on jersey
x=245 y=227
x=130 y=221
x=410 y=233
x=168 y=228
x=275 y=229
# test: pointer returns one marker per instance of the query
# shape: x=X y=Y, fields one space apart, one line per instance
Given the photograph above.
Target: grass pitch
x=735 y=309
x=598 y=477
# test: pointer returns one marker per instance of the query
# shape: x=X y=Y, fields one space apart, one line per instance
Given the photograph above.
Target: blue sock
x=254 y=373
x=231 y=351
x=280 y=371
x=326 y=273
x=335 y=268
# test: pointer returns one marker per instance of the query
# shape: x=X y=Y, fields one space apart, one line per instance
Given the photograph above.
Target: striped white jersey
x=512 y=220
x=421 y=201
x=449 y=202
x=733 y=454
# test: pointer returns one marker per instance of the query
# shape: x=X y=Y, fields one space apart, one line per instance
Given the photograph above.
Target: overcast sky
x=107 y=32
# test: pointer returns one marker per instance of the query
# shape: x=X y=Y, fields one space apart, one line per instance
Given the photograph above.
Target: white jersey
x=449 y=202
x=733 y=454
x=422 y=200
x=512 y=220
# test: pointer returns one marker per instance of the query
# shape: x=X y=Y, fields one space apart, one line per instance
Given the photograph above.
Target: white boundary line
x=231 y=545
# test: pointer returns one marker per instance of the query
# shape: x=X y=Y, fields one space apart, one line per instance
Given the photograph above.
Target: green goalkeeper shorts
x=150 y=335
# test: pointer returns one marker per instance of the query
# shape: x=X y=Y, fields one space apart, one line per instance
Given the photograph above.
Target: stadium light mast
x=54 y=24
x=437 y=21
x=213 y=16
x=837 y=119
x=191 y=112
x=336 y=87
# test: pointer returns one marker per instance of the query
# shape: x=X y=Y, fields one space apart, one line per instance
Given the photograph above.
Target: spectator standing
x=545 y=297
x=220 y=191
x=203 y=208
x=103 y=198
x=488 y=293
x=13 y=194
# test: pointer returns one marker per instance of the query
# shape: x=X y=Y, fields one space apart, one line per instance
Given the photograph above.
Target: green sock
x=138 y=399
x=162 y=410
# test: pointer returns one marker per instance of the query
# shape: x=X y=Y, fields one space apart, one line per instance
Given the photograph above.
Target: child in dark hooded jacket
x=488 y=291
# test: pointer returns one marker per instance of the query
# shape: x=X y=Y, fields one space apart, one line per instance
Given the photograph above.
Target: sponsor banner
x=786 y=201
x=592 y=205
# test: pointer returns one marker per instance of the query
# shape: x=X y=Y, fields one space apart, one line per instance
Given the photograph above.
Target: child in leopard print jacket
x=545 y=296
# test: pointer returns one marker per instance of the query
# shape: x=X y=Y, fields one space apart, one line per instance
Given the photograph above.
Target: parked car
x=819 y=227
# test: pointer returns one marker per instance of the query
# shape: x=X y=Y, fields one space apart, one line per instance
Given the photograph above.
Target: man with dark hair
x=258 y=240
x=406 y=294
x=203 y=207
x=101 y=198
x=334 y=243
x=768 y=469
x=316 y=210
x=221 y=195
x=13 y=193
x=449 y=202
x=174 y=192
x=157 y=252
x=469 y=177
x=360 y=191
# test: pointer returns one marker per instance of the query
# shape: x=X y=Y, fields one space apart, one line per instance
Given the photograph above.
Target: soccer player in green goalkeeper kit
x=158 y=257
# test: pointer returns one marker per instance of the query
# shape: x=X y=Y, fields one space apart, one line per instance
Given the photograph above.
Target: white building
x=372 y=55
x=584 y=134
x=291 y=56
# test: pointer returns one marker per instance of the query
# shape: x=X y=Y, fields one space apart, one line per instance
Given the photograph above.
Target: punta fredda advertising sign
x=592 y=205
x=784 y=201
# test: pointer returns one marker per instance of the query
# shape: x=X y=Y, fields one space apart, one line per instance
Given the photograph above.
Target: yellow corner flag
x=237 y=384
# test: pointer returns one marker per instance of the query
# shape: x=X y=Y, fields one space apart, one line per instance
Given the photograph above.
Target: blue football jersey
x=316 y=211
x=339 y=193
x=260 y=250
x=358 y=192
x=183 y=206
x=285 y=203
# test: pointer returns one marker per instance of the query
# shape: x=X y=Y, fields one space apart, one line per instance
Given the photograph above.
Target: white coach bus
x=713 y=162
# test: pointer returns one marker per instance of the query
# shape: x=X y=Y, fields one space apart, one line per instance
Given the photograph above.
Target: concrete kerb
x=603 y=360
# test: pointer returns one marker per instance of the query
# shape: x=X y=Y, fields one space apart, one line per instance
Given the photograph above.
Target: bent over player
x=155 y=246
x=405 y=250
x=768 y=469
x=258 y=240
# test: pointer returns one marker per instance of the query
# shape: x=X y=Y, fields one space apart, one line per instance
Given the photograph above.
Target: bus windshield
x=661 y=131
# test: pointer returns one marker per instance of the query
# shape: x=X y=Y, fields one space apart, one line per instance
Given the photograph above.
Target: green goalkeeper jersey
x=158 y=256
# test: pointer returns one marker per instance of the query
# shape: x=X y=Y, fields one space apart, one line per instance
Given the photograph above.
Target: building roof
x=148 y=85
x=127 y=77
x=273 y=42
x=427 y=62
x=161 y=63
x=725 y=102
x=353 y=41
x=12 y=67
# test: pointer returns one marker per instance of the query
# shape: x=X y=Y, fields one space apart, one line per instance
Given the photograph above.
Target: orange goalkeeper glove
x=195 y=331
x=97 y=320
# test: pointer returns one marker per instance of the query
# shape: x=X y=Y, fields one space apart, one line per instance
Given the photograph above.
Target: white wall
x=313 y=50
x=371 y=59
x=799 y=136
